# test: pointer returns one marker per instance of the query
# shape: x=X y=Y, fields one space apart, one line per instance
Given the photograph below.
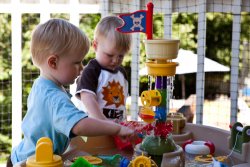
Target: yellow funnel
x=44 y=155
x=162 y=69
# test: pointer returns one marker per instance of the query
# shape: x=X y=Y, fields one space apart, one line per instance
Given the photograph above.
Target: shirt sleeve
x=65 y=114
x=88 y=81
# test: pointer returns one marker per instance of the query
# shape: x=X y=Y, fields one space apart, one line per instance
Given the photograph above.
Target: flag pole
x=149 y=22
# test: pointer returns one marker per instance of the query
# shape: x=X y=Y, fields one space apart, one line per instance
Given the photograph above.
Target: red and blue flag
x=133 y=22
x=139 y=21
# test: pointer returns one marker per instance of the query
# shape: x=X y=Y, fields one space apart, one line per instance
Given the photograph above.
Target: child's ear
x=52 y=61
x=94 y=44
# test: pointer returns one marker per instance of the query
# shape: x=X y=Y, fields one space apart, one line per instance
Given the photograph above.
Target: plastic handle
x=240 y=129
x=44 y=150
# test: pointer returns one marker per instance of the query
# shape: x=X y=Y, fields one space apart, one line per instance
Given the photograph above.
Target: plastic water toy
x=155 y=100
x=151 y=98
x=142 y=161
x=44 y=155
x=91 y=159
x=161 y=49
x=239 y=135
x=127 y=145
x=147 y=114
x=218 y=163
x=161 y=70
x=159 y=54
x=124 y=162
x=199 y=147
x=209 y=158
x=111 y=160
x=178 y=120
x=159 y=142
x=80 y=162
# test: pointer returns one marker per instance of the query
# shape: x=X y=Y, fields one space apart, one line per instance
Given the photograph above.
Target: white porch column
x=200 y=75
x=235 y=59
x=16 y=39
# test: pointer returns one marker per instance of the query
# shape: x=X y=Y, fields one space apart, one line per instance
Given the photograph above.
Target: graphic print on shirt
x=113 y=94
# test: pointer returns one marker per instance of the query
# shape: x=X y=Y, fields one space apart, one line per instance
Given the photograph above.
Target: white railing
x=167 y=7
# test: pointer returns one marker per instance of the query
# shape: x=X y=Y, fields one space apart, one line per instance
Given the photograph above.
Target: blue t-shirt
x=50 y=114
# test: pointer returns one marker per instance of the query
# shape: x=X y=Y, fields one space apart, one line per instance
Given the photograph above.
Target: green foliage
x=29 y=21
x=29 y=71
x=5 y=143
x=185 y=29
x=87 y=24
x=5 y=46
x=5 y=72
x=5 y=147
x=60 y=16
x=218 y=43
x=158 y=26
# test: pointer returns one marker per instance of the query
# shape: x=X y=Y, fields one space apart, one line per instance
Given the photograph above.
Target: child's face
x=69 y=68
x=107 y=55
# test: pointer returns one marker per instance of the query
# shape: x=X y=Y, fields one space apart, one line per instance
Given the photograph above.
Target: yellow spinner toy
x=142 y=161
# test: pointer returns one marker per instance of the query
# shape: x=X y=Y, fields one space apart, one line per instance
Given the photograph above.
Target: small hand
x=125 y=131
x=127 y=134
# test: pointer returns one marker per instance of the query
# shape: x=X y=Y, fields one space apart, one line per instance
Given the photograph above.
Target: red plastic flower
x=162 y=129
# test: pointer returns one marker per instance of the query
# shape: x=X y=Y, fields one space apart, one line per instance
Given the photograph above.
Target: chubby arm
x=96 y=127
x=92 y=106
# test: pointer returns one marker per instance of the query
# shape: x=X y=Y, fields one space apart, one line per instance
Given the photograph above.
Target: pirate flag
x=139 y=21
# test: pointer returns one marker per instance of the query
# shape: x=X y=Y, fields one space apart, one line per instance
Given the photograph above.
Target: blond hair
x=107 y=28
x=58 y=37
